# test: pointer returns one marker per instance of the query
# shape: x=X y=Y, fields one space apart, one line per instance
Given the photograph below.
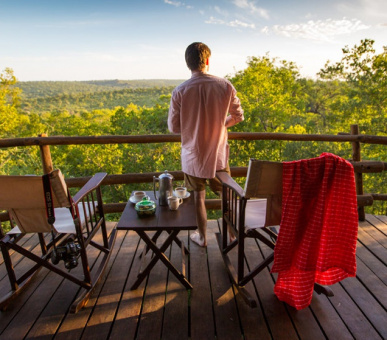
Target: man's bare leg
x=200 y=238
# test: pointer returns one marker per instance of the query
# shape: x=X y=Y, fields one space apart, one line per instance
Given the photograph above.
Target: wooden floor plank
x=305 y=323
x=52 y=316
x=279 y=321
x=352 y=316
x=370 y=307
x=150 y=323
x=372 y=228
x=372 y=282
x=380 y=222
x=128 y=312
x=20 y=263
x=202 y=319
x=45 y=321
x=329 y=320
x=372 y=262
x=175 y=325
x=106 y=306
x=28 y=242
x=22 y=301
x=254 y=325
x=225 y=308
x=27 y=316
x=72 y=326
x=372 y=244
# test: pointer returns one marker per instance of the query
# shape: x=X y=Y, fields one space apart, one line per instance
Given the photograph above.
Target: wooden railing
x=354 y=138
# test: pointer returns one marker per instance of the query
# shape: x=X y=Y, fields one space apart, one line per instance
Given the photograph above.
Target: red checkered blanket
x=318 y=232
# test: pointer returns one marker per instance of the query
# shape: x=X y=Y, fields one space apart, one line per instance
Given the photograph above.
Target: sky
x=146 y=39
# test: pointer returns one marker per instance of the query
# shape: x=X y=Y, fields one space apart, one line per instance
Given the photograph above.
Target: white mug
x=181 y=192
x=174 y=202
x=138 y=195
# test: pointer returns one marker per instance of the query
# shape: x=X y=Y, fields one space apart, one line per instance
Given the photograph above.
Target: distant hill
x=36 y=89
x=77 y=96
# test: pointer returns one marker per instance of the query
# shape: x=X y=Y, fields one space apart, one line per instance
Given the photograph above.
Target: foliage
x=269 y=93
x=10 y=120
x=365 y=76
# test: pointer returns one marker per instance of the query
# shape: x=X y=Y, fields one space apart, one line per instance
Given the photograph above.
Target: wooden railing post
x=356 y=157
x=45 y=155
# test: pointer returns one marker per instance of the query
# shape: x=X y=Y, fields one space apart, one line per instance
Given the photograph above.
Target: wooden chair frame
x=233 y=229
x=87 y=201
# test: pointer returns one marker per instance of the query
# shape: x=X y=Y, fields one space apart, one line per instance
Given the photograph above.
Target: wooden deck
x=162 y=308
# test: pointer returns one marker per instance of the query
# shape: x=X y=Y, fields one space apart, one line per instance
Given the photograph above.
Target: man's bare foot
x=195 y=237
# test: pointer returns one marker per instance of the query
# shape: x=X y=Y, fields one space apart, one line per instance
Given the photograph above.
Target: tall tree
x=9 y=101
x=269 y=93
x=365 y=74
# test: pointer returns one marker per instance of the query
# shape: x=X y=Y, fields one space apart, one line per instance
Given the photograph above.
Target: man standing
x=201 y=110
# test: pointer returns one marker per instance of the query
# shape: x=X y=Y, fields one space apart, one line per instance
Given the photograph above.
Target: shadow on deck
x=162 y=308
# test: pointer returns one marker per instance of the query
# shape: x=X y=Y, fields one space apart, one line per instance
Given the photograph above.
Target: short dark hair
x=196 y=56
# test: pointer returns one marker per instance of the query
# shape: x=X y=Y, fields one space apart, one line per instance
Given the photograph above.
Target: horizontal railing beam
x=146 y=177
x=369 y=166
x=248 y=136
x=363 y=167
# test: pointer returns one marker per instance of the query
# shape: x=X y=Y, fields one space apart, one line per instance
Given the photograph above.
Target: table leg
x=176 y=239
x=159 y=255
x=179 y=243
x=154 y=239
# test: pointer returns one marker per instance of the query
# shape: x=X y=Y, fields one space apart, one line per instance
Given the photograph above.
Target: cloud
x=250 y=6
x=173 y=3
x=317 y=30
x=234 y=23
x=221 y=11
x=177 y=4
x=367 y=9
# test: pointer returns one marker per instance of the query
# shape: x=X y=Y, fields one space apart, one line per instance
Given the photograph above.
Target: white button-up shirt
x=201 y=109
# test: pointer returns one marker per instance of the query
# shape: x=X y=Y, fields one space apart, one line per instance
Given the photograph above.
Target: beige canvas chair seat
x=255 y=214
x=31 y=202
x=64 y=222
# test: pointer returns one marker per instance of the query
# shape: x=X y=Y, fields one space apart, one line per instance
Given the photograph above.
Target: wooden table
x=166 y=220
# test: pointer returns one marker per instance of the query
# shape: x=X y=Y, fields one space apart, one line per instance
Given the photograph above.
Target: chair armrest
x=92 y=184
x=226 y=179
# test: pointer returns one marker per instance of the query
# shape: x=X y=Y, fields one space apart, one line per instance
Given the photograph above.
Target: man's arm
x=235 y=111
x=174 y=114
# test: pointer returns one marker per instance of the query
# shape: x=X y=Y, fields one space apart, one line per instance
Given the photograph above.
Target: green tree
x=9 y=102
x=13 y=124
x=273 y=101
x=365 y=75
x=324 y=98
x=270 y=94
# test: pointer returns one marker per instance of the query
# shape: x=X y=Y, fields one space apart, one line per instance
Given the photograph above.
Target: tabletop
x=164 y=219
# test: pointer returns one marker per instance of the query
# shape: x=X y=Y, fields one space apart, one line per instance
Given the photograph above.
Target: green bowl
x=145 y=207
